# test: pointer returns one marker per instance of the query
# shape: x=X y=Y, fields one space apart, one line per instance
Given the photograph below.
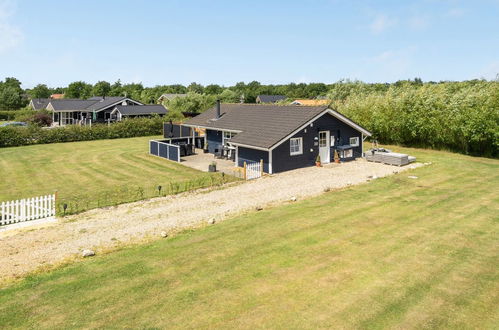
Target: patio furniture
x=388 y=157
x=218 y=153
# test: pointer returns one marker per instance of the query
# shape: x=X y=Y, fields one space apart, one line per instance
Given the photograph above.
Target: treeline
x=15 y=97
x=459 y=116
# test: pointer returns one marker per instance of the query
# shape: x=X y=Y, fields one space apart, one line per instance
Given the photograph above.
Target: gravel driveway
x=23 y=251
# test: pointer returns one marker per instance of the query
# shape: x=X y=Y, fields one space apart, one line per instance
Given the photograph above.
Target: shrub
x=7 y=115
x=41 y=118
x=461 y=116
x=18 y=136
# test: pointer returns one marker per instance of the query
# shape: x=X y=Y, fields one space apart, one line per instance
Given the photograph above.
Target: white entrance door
x=324 y=148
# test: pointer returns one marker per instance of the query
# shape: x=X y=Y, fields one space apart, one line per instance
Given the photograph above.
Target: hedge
x=20 y=136
x=461 y=116
x=7 y=114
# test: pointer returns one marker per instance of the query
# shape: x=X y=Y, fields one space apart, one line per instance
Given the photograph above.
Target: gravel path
x=23 y=251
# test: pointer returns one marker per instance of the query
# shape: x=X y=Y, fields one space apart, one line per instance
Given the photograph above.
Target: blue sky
x=223 y=42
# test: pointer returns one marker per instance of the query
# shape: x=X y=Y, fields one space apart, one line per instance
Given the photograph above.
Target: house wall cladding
x=283 y=161
x=252 y=155
x=214 y=139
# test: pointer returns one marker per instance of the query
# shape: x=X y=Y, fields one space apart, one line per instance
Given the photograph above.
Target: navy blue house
x=284 y=137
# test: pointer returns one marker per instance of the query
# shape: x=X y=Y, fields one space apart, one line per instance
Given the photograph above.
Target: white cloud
x=10 y=35
x=381 y=23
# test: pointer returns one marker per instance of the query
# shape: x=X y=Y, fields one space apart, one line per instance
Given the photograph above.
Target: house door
x=324 y=148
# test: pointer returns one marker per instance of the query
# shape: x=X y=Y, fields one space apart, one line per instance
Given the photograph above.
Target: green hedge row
x=7 y=115
x=20 y=136
x=461 y=116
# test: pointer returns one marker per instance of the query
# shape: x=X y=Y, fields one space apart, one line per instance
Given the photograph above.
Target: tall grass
x=132 y=193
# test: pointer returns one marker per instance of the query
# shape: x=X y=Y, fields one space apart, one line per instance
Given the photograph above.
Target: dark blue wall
x=253 y=155
x=214 y=139
x=283 y=161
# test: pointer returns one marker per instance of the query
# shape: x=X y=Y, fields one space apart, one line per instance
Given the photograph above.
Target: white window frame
x=333 y=140
x=226 y=136
x=323 y=141
x=356 y=139
x=343 y=153
x=300 y=146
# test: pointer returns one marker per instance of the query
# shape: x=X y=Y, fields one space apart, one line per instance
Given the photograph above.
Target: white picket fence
x=253 y=170
x=42 y=207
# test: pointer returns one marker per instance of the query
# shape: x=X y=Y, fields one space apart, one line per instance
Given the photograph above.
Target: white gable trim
x=213 y=128
x=116 y=103
x=248 y=146
x=331 y=112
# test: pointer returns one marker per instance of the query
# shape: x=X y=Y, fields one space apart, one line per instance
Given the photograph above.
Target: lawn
x=396 y=252
x=93 y=173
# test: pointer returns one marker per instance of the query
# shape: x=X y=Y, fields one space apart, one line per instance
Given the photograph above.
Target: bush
x=461 y=116
x=7 y=115
x=41 y=119
x=19 y=136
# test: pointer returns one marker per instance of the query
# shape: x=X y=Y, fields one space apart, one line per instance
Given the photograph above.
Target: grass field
x=93 y=173
x=396 y=252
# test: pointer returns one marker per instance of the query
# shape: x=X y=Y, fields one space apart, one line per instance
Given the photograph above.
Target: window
x=295 y=146
x=354 y=141
x=332 y=140
x=226 y=137
x=348 y=153
x=322 y=139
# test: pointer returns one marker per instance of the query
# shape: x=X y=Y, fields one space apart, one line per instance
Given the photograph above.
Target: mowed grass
x=393 y=253
x=93 y=173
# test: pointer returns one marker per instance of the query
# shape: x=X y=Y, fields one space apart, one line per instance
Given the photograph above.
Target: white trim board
x=116 y=103
x=213 y=128
x=248 y=146
x=331 y=112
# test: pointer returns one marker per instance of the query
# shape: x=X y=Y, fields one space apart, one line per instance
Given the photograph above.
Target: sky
x=224 y=42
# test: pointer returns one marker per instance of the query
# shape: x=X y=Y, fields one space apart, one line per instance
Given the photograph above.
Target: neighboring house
x=169 y=97
x=311 y=102
x=284 y=137
x=95 y=109
x=121 y=112
x=57 y=96
x=39 y=104
x=270 y=98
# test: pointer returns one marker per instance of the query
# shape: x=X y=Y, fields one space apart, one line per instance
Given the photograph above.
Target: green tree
x=78 y=90
x=116 y=89
x=213 y=89
x=133 y=90
x=229 y=96
x=101 y=88
x=196 y=88
x=11 y=94
x=193 y=103
x=40 y=91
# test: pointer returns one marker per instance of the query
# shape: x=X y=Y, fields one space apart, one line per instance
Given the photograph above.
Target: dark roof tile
x=141 y=109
